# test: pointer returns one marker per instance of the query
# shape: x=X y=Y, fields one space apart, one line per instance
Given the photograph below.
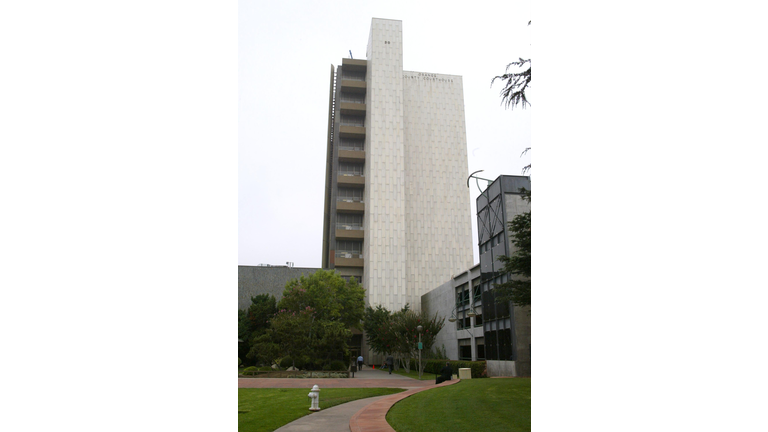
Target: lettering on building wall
x=427 y=77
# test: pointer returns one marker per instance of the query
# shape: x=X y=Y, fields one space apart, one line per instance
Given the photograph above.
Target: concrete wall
x=384 y=248
x=418 y=228
x=442 y=301
x=438 y=220
x=255 y=280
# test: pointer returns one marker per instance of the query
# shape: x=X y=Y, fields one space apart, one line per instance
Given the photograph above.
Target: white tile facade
x=417 y=218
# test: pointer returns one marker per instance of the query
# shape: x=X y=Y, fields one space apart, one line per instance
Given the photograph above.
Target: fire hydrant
x=314 y=394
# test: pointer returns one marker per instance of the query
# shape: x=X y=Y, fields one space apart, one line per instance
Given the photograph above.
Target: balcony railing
x=348 y=199
x=348 y=254
x=348 y=226
x=351 y=174
x=352 y=98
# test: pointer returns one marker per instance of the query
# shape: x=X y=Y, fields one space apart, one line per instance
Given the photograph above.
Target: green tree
x=397 y=334
x=252 y=322
x=518 y=266
x=314 y=318
x=407 y=335
x=379 y=326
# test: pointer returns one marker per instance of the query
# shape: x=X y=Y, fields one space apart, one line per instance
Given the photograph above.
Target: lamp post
x=419 y=329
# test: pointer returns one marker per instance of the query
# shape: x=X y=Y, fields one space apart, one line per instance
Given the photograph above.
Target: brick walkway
x=372 y=418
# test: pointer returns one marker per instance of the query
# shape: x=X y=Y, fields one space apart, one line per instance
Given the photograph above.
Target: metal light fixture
x=471 y=312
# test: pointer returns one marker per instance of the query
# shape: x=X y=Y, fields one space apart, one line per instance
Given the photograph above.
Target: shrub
x=338 y=365
x=286 y=362
x=239 y=362
x=327 y=367
x=314 y=365
x=250 y=370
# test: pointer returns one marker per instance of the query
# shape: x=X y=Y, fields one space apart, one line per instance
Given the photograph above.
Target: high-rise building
x=397 y=206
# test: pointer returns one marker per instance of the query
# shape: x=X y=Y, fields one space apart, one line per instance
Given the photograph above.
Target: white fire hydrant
x=314 y=394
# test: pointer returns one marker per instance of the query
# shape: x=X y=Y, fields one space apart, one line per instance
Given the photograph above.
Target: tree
x=518 y=265
x=396 y=333
x=379 y=333
x=515 y=84
x=407 y=335
x=288 y=335
x=314 y=318
x=253 y=321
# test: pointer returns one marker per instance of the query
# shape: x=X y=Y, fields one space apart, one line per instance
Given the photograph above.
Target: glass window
x=350 y=168
x=478 y=319
x=465 y=349
x=480 y=348
x=490 y=346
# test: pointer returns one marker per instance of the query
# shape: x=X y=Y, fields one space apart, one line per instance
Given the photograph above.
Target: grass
x=415 y=374
x=488 y=405
x=264 y=410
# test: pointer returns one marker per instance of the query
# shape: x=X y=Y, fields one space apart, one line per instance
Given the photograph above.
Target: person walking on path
x=360 y=362
x=390 y=363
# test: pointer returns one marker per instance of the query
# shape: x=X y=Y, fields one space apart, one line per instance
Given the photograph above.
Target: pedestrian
x=390 y=363
x=360 y=362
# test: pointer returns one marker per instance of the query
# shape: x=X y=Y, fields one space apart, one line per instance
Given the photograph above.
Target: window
x=462 y=295
x=465 y=349
x=350 y=168
x=460 y=320
x=475 y=291
x=349 y=249
x=352 y=120
x=350 y=194
x=480 y=348
x=478 y=319
x=490 y=346
x=349 y=221
x=351 y=144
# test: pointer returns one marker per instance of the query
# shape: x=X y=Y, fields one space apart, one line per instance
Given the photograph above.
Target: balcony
x=351 y=155
x=349 y=231
x=352 y=86
x=351 y=132
x=352 y=108
x=349 y=206
x=348 y=259
x=354 y=65
x=351 y=180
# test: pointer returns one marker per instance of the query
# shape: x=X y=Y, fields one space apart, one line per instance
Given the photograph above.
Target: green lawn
x=488 y=405
x=264 y=410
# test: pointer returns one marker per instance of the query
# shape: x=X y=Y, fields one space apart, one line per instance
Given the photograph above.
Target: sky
x=285 y=50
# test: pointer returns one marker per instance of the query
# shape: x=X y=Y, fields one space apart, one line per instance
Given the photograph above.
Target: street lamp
x=419 y=329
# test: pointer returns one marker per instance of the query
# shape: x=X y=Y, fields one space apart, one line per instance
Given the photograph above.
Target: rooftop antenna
x=350 y=55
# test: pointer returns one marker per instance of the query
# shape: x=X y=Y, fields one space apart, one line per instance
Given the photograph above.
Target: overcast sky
x=285 y=53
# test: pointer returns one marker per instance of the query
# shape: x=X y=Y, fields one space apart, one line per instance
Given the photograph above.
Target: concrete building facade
x=265 y=279
x=397 y=209
x=479 y=327
x=462 y=334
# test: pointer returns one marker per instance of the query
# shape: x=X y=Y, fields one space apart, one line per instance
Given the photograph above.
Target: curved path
x=362 y=415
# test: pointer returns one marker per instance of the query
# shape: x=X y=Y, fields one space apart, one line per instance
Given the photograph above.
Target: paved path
x=333 y=419
x=362 y=415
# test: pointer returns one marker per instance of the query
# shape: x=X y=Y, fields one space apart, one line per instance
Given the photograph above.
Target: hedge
x=435 y=366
